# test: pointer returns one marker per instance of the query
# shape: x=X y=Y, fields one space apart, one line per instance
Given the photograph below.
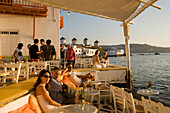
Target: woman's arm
x=14 y=54
x=43 y=92
x=98 y=59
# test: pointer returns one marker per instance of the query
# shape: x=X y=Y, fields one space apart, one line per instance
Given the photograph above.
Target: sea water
x=149 y=67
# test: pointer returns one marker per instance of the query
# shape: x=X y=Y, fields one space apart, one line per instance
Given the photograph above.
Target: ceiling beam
x=140 y=10
x=153 y=5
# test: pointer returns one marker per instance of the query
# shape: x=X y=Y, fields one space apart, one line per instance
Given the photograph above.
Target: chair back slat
x=130 y=104
x=14 y=71
x=118 y=98
x=151 y=106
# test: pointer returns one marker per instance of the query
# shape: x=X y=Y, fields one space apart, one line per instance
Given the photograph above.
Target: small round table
x=74 y=108
x=149 y=93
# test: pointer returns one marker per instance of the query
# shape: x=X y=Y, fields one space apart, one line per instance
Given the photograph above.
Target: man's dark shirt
x=33 y=50
x=62 y=53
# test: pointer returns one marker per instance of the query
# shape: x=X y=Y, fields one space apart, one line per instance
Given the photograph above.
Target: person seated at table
x=55 y=91
x=95 y=60
x=77 y=79
x=104 y=59
x=41 y=87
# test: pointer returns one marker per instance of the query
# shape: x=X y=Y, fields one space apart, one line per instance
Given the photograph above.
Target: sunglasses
x=46 y=76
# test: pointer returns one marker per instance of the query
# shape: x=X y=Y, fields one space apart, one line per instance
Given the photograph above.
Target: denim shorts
x=82 y=83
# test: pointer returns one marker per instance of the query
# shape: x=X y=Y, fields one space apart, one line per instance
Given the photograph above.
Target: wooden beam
x=140 y=10
x=153 y=5
x=33 y=27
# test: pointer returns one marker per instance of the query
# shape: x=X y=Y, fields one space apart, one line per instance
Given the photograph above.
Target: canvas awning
x=118 y=10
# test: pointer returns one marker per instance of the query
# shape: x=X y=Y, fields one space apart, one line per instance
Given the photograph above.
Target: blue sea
x=149 y=67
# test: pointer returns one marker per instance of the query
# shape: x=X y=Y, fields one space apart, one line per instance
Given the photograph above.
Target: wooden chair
x=38 y=66
x=151 y=106
x=131 y=107
x=14 y=71
x=165 y=109
x=25 y=70
x=78 y=63
x=105 y=93
x=118 y=99
x=52 y=64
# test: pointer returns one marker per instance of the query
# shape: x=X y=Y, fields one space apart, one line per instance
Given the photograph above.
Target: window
x=4 y=32
x=14 y=33
x=8 y=32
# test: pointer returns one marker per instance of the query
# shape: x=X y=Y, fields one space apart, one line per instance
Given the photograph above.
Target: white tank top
x=46 y=107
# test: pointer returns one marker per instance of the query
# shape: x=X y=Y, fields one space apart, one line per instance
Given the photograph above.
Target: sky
x=150 y=27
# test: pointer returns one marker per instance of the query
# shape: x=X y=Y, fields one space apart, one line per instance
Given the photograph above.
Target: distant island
x=139 y=48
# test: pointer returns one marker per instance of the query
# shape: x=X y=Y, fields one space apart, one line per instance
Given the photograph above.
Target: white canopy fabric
x=118 y=10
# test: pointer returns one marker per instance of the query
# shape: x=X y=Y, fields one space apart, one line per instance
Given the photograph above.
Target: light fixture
x=68 y=13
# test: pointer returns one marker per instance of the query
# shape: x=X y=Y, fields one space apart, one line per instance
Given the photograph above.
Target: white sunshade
x=118 y=10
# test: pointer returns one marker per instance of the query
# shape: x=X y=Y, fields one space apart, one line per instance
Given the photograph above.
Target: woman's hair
x=20 y=45
x=96 y=52
x=28 y=46
x=41 y=74
x=104 y=53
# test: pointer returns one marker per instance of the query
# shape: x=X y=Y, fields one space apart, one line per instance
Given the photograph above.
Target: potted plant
x=149 y=84
x=81 y=98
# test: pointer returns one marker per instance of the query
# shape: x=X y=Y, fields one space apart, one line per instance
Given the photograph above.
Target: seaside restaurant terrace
x=17 y=95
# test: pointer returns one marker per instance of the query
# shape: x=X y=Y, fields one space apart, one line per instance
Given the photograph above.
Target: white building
x=86 y=42
x=96 y=43
x=84 y=51
x=115 y=52
x=62 y=40
x=89 y=52
x=74 y=41
x=22 y=27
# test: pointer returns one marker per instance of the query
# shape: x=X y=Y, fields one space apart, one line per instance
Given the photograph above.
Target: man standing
x=34 y=51
x=62 y=55
x=49 y=51
x=42 y=48
x=70 y=55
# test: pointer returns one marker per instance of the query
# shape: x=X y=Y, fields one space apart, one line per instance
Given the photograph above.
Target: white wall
x=45 y=27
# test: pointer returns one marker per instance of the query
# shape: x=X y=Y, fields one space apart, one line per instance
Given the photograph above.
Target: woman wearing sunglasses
x=42 y=86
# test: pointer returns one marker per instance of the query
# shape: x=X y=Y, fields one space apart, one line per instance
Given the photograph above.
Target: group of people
x=100 y=62
x=46 y=52
x=97 y=62
x=49 y=88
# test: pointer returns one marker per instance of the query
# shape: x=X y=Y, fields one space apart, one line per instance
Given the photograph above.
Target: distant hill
x=139 y=48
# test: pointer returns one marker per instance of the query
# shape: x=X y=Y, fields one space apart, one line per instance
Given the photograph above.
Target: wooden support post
x=34 y=27
x=129 y=73
x=126 y=35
